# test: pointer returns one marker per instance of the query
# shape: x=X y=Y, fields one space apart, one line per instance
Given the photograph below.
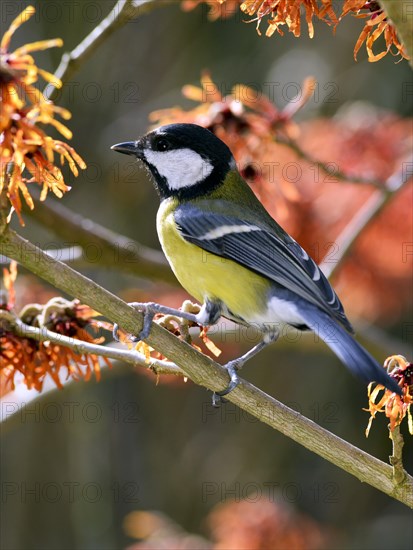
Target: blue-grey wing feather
x=265 y=249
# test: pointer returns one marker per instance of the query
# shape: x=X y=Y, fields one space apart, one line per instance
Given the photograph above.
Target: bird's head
x=185 y=160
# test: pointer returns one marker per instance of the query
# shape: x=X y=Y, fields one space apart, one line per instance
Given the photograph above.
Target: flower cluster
x=27 y=152
x=376 y=25
x=288 y=13
x=395 y=407
x=34 y=359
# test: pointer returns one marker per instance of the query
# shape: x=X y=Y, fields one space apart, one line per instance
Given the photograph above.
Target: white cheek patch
x=180 y=167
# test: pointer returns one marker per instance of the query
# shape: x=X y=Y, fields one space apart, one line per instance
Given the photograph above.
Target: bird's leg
x=209 y=314
x=233 y=366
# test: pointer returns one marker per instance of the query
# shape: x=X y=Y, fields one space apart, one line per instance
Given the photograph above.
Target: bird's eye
x=161 y=144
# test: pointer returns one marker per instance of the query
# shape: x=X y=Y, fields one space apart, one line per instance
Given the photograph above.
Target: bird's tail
x=351 y=353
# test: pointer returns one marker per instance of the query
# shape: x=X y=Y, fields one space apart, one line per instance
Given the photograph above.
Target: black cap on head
x=197 y=138
x=185 y=160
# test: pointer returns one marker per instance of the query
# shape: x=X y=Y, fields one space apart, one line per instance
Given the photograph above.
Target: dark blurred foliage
x=78 y=462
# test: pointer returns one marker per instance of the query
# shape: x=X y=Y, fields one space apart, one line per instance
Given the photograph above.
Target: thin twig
x=326 y=167
x=81 y=347
x=22 y=396
x=122 y=12
x=203 y=371
x=353 y=229
x=396 y=459
x=367 y=213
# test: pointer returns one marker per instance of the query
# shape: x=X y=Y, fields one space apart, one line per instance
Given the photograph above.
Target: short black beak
x=128 y=148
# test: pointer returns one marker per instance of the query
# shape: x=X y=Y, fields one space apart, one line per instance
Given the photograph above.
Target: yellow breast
x=205 y=275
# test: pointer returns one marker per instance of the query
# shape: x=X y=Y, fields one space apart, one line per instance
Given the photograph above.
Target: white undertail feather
x=279 y=313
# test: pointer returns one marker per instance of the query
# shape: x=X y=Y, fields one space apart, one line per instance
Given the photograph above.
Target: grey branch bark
x=114 y=250
x=396 y=459
x=203 y=371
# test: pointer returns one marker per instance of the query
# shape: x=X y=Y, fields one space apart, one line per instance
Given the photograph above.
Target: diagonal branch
x=326 y=167
x=109 y=248
x=205 y=372
x=367 y=213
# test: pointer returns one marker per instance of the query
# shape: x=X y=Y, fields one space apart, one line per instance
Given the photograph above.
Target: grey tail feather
x=349 y=351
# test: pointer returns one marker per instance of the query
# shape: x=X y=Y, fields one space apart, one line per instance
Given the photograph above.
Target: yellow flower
x=27 y=153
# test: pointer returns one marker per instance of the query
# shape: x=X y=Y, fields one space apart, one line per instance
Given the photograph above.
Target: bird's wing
x=263 y=248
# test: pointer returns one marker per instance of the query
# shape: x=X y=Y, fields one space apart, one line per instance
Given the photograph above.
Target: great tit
x=231 y=256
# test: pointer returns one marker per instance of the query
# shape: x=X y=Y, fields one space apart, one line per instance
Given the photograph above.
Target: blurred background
x=111 y=464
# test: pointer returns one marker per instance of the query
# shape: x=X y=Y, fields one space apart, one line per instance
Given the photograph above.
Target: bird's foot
x=149 y=310
x=232 y=367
